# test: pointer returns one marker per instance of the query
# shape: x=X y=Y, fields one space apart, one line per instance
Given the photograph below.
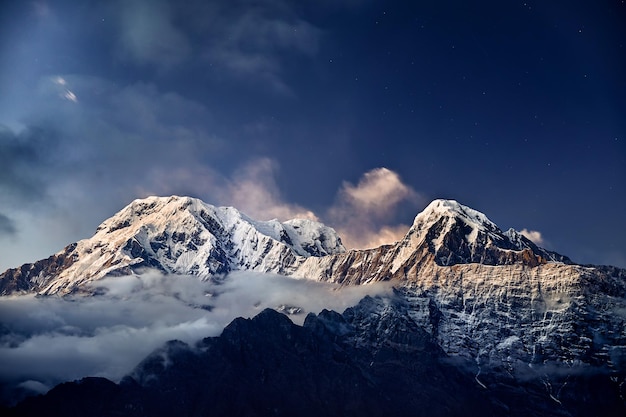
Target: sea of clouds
x=48 y=340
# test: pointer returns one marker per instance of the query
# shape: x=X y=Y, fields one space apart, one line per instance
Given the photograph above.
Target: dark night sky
x=285 y=108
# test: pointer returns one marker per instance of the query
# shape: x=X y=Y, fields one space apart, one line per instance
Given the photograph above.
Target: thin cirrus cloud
x=247 y=40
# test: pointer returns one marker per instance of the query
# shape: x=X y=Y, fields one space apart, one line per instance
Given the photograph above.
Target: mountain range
x=481 y=321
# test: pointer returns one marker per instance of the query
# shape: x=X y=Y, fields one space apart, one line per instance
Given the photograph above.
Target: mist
x=48 y=340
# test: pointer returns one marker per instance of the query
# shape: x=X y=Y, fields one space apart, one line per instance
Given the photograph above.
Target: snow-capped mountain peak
x=447 y=212
x=440 y=207
x=181 y=235
x=184 y=235
x=455 y=233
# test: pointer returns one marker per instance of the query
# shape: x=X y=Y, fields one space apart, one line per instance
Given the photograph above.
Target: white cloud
x=377 y=192
x=49 y=340
x=253 y=190
x=533 y=235
x=362 y=212
x=69 y=95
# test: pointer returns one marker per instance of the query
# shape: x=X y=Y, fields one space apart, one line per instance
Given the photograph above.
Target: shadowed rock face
x=372 y=360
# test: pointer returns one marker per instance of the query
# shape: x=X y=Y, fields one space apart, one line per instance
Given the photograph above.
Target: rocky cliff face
x=183 y=235
x=372 y=360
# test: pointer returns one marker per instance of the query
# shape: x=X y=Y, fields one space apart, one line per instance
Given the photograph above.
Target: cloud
x=362 y=211
x=250 y=41
x=21 y=155
x=533 y=235
x=122 y=142
x=383 y=236
x=75 y=164
x=48 y=340
x=129 y=130
x=253 y=190
x=377 y=192
x=253 y=45
x=243 y=40
x=7 y=226
x=148 y=36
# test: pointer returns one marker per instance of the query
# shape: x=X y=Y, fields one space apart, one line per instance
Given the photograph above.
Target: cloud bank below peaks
x=47 y=340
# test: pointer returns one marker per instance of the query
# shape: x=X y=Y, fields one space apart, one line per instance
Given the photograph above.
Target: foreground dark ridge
x=370 y=361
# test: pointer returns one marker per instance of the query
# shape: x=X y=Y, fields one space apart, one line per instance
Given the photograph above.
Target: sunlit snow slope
x=178 y=235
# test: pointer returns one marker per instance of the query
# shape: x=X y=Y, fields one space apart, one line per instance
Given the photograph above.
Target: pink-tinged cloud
x=253 y=190
x=363 y=212
x=533 y=235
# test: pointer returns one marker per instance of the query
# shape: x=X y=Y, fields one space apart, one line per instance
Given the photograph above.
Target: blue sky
x=357 y=114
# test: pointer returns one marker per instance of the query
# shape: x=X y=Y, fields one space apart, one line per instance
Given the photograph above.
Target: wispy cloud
x=7 y=226
x=148 y=35
x=362 y=212
x=255 y=41
x=253 y=190
x=245 y=40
